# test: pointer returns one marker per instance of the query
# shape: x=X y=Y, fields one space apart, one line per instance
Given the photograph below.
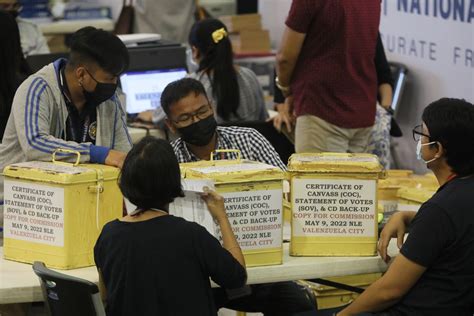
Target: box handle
x=67 y=151
x=226 y=151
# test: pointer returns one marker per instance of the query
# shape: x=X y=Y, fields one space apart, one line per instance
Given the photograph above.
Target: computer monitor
x=143 y=88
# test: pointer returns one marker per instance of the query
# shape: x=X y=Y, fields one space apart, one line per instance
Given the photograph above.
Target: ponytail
x=210 y=37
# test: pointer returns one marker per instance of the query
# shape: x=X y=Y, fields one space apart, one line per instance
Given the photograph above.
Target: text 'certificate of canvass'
x=333 y=208
x=34 y=212
x=256 y=218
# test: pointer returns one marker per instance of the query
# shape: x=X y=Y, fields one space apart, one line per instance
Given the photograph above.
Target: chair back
x=68 y=295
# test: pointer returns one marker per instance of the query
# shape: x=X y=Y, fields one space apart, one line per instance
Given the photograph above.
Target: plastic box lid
x=334 y=163
x=60 y=173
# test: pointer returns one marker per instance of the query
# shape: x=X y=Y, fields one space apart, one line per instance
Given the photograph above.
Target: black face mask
x=199 y=133
x=101 y=93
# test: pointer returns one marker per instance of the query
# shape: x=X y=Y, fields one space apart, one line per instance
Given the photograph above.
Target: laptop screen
x=143 y=88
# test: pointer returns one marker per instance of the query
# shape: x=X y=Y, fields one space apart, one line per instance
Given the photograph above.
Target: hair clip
x=218 y=35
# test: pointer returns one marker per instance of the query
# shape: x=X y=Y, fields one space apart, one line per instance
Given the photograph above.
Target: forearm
x=408 y=216
x=229 y=241
x=386 y=95
x=285 y=67
x=376 y=298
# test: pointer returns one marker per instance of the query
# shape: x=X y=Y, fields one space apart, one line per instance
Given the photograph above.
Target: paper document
x=192 y=207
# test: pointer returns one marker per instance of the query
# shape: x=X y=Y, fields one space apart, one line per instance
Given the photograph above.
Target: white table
x=19 y=284
x=71 y=26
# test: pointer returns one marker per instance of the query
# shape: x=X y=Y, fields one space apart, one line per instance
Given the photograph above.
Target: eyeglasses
x=188 y=118
x=418 y=132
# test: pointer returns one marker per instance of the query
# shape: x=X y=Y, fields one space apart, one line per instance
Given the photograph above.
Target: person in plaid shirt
x=191 y=116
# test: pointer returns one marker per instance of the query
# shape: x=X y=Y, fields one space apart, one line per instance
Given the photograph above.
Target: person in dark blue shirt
x=434 y=272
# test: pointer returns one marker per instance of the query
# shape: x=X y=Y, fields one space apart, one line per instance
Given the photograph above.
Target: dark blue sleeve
x=98 y=154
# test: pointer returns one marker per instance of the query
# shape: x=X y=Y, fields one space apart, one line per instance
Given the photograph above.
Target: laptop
x=143 y=88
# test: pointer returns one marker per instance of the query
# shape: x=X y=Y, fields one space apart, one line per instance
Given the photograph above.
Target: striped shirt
x=252 y=145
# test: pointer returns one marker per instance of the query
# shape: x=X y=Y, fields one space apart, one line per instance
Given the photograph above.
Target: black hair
x=150 y=176
x=217 y=62
x=13 y=66
x=96 y=45
x=451 y=122
x=178 y=90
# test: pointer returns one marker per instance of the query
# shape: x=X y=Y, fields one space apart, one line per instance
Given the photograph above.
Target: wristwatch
x=284 y=89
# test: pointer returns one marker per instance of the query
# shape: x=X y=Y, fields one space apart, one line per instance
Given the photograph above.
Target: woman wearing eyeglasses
x=434 y=272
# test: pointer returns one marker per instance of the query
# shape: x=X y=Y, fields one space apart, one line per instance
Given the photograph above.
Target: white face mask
x=418 y=151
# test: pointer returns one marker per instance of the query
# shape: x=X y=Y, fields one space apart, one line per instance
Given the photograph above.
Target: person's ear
x=195 y=53
x=170 y=125
x=440 y=150
x=80 y=73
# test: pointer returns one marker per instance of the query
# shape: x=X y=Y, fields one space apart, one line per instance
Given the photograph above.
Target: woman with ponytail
x=234 y=91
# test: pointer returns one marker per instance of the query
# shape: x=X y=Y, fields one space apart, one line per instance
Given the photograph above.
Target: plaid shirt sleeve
x=263 y=151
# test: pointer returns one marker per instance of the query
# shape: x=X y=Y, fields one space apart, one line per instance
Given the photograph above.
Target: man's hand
x=395 y=228
x=115 y=158
x=284 y=116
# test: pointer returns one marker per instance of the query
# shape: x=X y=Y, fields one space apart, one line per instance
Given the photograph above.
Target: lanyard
x=452 y=176
x=70 y=107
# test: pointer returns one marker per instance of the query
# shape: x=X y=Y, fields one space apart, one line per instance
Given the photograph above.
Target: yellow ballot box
x=411 y=199
x=387 y=188
x=54 y=212
x=253 y=198
x=334 y=204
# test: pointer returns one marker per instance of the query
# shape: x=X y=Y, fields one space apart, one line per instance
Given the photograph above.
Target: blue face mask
x=418 y=151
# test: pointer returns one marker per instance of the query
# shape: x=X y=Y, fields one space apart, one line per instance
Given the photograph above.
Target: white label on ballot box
x=34 y=212
x=333 y=208
x=255 y=217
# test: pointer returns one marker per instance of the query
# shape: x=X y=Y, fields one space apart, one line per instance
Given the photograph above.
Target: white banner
x=434 y=39
x=255 y=217
x=34 y=212
x=333 y=208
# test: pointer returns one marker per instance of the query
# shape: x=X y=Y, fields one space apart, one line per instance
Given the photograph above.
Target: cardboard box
x=251 y=41
x=238 y=23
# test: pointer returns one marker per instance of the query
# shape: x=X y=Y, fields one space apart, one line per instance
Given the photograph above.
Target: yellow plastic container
x=55 y=212
x=388 y=188
x=411 y=199
x=330 y=297
x=253 y=194
x=387 y=195
x=427 y=181
x=334 y=204
x=398 y=173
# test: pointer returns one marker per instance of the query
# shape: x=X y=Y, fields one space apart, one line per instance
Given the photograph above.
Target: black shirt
x=442 y=240
x=162 y=267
